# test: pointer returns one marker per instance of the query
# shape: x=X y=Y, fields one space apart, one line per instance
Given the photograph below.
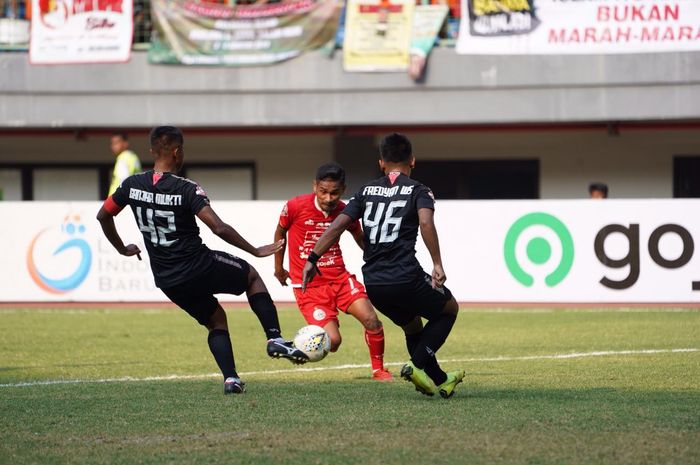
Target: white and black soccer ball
x=313 y=341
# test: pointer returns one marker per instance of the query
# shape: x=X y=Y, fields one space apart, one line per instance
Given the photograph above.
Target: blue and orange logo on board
x=57 y=249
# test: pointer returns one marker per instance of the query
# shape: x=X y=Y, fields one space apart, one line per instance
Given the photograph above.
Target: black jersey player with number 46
x=164 y=207
x=392 y=209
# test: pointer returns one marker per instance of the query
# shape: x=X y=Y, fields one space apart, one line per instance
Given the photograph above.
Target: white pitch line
x=581 y=310
x=130 y=379
x=523 y=310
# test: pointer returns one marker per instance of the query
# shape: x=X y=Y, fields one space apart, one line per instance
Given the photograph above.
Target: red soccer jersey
x=305 y=222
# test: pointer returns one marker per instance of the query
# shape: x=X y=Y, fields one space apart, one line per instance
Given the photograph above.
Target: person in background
x=127 y=162
x=598 y=190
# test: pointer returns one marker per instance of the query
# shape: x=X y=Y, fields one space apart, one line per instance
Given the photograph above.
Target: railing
x=15 y=16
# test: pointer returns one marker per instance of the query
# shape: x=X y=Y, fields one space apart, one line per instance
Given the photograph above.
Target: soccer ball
x=313 y=341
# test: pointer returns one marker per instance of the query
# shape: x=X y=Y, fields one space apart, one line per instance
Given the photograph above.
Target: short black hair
x=332 y=171
x=121 y=134
x=598 y=186
x=395 y=148
x=165 y=138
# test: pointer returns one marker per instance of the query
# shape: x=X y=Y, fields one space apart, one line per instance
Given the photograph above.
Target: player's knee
x=451 y=307
x=336 y=340
x=217 y=320
x=415 y=326
x=256 y=284
x=372 y=322
x=253 y=275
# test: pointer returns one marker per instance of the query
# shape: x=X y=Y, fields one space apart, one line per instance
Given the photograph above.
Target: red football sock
x=375 y=343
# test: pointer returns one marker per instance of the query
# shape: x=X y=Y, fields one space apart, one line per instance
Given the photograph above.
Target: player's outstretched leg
x=333 y=332
x=431 y=368
x=432 y=337
x=374 y=337
x=263 y=307
x=220 y=345
x=410 y=372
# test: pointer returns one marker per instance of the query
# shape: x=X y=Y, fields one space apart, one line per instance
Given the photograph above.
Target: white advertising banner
x=542 y=27
x=81 y=31
x=586 y=251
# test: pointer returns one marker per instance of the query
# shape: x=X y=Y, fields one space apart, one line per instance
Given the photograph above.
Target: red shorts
x=320 y=304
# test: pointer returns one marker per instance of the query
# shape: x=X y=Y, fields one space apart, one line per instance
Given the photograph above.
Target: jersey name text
x=161 y=199
x=382 y=191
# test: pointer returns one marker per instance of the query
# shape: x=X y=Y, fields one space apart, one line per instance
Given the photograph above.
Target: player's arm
x=106 y=218
x=329 y=237
x=429 y=234
x=230 y=235
x=280 y=273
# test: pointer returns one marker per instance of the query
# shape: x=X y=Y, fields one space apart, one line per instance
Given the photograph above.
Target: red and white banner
x=543 y=27
x=81 y=31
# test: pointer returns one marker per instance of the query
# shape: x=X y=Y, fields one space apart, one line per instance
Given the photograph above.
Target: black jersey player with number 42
x=392 y=209
x=164 y=207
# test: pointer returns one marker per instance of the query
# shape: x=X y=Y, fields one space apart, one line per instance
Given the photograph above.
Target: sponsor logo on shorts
x=319 y=314
x=230 y=260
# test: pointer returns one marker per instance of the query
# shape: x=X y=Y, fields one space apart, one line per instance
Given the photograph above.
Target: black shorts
x=401 y=303
x=226 y=275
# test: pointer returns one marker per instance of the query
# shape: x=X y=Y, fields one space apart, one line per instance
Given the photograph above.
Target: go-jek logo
x=53 y=250
x=537 y=232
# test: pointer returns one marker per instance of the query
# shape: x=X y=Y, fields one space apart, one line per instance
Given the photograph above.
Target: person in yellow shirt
x=127 y=162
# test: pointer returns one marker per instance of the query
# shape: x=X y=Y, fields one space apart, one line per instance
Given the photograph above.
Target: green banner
x=191 y=33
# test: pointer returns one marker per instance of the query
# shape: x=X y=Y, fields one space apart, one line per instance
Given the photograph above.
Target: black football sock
x=220 y=346
x=432 y=369
x=266 y=312
x=432 y=338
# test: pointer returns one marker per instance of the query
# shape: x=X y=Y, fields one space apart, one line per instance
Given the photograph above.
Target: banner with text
x=493 y=251
x=377 y=35
x=81 y=31
x=191 y=33
x=514 y=27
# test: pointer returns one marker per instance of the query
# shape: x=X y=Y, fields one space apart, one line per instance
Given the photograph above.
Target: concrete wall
x=635 y=163
x=285 y=164
x=313 y=90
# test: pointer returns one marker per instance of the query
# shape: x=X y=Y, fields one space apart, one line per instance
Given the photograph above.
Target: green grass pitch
x=558 y=386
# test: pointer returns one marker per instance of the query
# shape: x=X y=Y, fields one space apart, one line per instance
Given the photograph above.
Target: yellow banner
x=377 y=35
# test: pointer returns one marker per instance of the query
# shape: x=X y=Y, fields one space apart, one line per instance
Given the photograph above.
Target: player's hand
x=282 y=275
x=267 y=250
x=131 y=250
x=439 y=277
x=308 y=274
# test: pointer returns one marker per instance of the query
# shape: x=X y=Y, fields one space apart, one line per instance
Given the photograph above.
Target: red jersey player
x=303 y=220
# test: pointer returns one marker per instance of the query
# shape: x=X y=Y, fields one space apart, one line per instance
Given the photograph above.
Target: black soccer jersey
x=388 y=208
x=165 y=207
